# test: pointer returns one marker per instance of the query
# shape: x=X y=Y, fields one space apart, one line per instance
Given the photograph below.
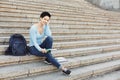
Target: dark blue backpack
x=17 y=45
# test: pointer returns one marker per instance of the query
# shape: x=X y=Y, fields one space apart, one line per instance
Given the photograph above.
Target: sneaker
x=47 y=61
x=66 y=72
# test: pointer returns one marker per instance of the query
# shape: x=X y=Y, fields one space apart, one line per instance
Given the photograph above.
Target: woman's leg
x=47 y=44
x=52 y=60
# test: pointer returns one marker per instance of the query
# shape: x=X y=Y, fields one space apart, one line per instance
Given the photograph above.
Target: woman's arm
x=47 y=31
x=33 y=37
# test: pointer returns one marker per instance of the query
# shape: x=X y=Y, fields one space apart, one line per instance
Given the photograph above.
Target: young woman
x=41 y=40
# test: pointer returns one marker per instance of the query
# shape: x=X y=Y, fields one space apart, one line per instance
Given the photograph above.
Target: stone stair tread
x=75 y=35
x=79 y=73
x=26 y=16
x=67 y=32
x=62 y=30
x=94 y=50
x=88 y=41
x=58 y=52
x=65 y=26
x=68 y=36
x=81 y=42
x=36 y=5
x=61 y=17
x=78 y=44
x=15 y=19
x=69 y=27
x=81 y=6
x=37 y=12
x=89 y=7
x=55 y=13
x=115 y=75
x=8 y=60
x=62 y=22
x=90 y=26
x=5 y=71
x=54 y=8
x=56 y=3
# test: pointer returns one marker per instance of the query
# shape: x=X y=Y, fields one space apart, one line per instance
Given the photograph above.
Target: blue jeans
x=47 y=44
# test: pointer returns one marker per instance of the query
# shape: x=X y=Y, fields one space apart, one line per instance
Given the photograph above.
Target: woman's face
x=45 y=20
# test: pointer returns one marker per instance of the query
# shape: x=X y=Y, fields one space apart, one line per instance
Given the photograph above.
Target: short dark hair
x=45 y=13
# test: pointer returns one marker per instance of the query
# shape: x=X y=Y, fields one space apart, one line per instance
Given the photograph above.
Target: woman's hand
x=43 y=50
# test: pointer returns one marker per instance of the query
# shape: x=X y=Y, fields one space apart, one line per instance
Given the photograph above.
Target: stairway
x=86 y=36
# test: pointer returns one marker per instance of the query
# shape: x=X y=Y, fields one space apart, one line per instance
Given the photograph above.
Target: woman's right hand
x=43 y=50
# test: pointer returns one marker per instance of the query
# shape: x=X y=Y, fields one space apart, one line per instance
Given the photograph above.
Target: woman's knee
x=49 y=38
x=34 y=51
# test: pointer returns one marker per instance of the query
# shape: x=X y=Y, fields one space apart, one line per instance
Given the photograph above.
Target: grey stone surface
x=115 y=75
x=75 y=72
x=39 y=67
x=92 y=51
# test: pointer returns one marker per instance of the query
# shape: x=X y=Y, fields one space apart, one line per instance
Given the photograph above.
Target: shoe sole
x=47 y=62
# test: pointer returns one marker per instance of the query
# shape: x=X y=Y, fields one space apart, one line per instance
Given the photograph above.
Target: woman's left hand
x=44 y=50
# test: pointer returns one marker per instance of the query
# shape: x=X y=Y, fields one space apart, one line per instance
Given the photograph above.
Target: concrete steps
x=62 y=32
x=58 y=20
x=109 y=76
x=77 y=44
x=62 y=28
x=60 y=23
x=86 y=36
x=39 y=4
x=80 y=73
x=10 y=60
x=12 y=21
x=59 y=16
x=79 y=31
x=80 y=6
x=63 y=38
x=37 y=68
